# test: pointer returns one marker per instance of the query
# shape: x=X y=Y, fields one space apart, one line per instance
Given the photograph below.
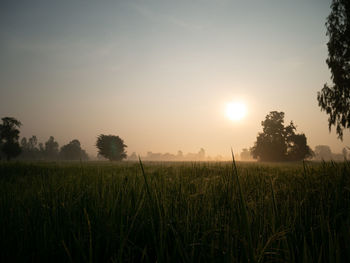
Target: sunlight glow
x=236 y=111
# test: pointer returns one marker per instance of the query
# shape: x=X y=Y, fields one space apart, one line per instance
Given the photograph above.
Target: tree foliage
x=246 y=155
x=30 y=150
x=51 y=150
x=111 y=147
x=9 y=135
x=335 y=99
x=323 y=152
x=278 y=142
x=73 y=151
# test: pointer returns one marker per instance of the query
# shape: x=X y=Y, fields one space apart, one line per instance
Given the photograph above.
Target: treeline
x=30 y=149
x=111 y=147
x=179 y=157
x=50 y=150
x=321 y=152
x=324 y=152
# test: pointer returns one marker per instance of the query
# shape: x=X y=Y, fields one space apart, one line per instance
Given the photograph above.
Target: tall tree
x=335 y=99
x=271 y=143
x=51 y=149
x=111 y=147
x=9 y=135
x=278 y=142
x=29 y=148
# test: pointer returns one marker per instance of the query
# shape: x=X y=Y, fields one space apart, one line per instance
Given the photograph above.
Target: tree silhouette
x=73 y=151
x=29 y=148
x=335 y=99
x=245 y=155
x=345 y=153
x=278 y=142
x=298 y=148
x=9 y=135
x=132 y=157
x=51 y=149
x=323 y=152
x=111 y=147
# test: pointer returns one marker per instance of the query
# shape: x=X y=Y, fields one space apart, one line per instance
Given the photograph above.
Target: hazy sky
x=159 y=73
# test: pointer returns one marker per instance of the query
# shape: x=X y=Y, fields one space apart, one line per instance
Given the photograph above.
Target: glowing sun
x=236 y=111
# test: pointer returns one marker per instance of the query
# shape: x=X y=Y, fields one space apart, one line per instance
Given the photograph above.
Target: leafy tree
x=73 y=151
x=132 y=157
x=111 y=147
x=29 y=148
x=41 y=148
x=9 y=135
x=24 y=143
x=24 y=148
x=246 y=155
x=335 y=99
x=323 y=152
x=278 y=142
x=298 y=148
x=51 y=149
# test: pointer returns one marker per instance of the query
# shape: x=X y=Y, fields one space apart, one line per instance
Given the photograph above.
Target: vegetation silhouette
x=335 y=99
x=73 y=151
x=190 y=212
x=30 y=150
x=51 y=151
x=9 y=135
x=180 y=156
x=278 y=142
x=111 y=147
x=323 y=152
x=345 y=153
x=246 y=155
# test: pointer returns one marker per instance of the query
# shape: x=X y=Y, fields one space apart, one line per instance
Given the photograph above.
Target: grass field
x=174 y=212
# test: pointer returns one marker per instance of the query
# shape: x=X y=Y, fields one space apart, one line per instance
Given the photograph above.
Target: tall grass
x=175 y=212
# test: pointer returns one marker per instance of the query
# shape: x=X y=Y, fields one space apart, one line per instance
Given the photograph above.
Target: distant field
x=174 y=212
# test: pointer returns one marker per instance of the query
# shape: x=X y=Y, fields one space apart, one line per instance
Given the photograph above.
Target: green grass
x=174 y=212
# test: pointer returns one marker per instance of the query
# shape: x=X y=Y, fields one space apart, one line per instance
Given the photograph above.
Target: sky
x=159 y=73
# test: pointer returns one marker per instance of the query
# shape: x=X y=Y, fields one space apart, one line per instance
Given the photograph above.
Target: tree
x=73 y=151
x=201 y=154
x=9 y=135
x=111 y=147
x=298 y=148
x=335 y=99
x=29 y=148
x=323 y=152
x=345 y=153
x=51 y=149
x=278 y=142
x=246 y=155
x=132 y=157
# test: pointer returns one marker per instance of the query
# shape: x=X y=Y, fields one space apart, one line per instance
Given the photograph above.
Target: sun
x=236 y=111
